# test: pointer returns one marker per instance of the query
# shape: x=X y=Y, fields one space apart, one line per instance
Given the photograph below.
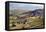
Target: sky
x=25 y=6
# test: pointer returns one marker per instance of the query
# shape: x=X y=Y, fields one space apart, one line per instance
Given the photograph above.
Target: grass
x=32 y=22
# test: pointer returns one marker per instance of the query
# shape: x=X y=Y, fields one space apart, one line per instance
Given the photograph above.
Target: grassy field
x=31 y=22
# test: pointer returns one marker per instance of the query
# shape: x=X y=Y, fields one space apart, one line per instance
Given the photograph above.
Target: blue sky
x=25 y=6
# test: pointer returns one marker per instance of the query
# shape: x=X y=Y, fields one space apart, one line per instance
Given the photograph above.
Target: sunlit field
x=31 y=22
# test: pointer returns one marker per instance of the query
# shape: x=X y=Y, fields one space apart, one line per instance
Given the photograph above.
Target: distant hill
x=17 y=11
x=36 y=12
